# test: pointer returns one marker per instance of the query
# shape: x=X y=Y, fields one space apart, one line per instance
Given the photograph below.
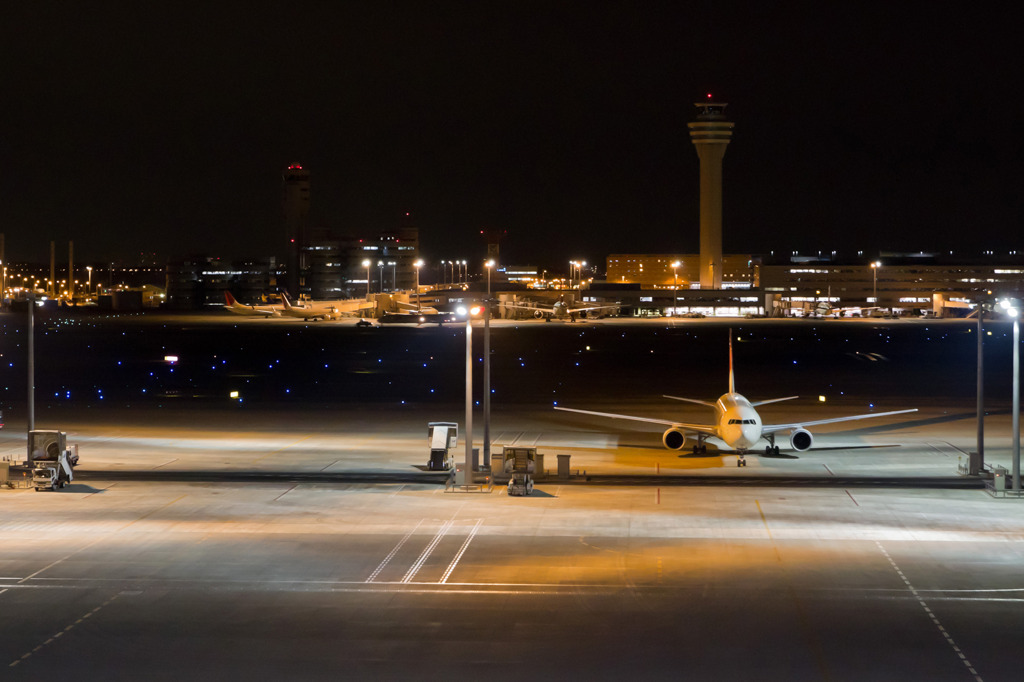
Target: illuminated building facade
x=655 y=271
x=903 y=282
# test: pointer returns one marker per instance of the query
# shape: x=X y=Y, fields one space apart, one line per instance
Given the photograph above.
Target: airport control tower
x=296 y=214
x=710 y=134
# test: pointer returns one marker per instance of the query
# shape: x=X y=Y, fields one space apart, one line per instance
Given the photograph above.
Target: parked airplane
x=737 y=423
x=825 y=309
x=250 y=310
x=560 y=310
x=306 y=311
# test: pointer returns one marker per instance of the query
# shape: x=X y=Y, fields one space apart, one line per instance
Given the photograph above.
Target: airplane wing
x=772 y=428
x=773 y=400
x=705 y=403
x=527 y=307
x=696 y=428
x=572 y=311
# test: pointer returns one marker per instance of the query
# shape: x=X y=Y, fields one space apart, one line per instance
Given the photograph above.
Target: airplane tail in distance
x=229 y=298
x=732 y=381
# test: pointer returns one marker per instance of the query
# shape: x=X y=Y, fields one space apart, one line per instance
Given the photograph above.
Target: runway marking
x=935 y=620
x=286 y=492
x=853 y=498
x=166 y=463
x=391 y=555
x=330 y=465
x=260 y=459
x=16 y=661
x=144 y=516
x=943 y=447
x=831 y=473
x=425 y=554
x=462 y=550
x=62 y=559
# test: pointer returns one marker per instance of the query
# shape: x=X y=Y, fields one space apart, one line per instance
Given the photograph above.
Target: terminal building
x=900 y=283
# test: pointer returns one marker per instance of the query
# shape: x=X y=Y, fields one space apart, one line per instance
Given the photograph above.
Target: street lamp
x=418 y=264
x=366 y=264
x=874 y=280
x=1012 y=308
x=675 y=286
x=487 y=368
x=465 y=271
x=380 y=264
x=88 y=286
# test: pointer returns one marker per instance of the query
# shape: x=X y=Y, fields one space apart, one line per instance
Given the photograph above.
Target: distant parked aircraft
x=250 y=310
x=560 y=310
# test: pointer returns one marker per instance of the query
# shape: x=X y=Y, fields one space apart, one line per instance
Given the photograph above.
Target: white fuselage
x=739 y=424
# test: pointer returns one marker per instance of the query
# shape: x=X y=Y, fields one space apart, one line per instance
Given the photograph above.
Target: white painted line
x=415 y=568
x=391 y=554
x=462 y=550
x=934 y=618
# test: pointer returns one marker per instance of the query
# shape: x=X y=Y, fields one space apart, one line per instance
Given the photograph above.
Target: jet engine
x=539 y=314
x=674 y=439
x=801 y=439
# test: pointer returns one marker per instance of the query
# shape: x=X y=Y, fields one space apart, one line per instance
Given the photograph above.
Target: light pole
x=366 y=264
x=465 y=272
x=31 y=361
x=1012 y=308
x=418 y=264
x=467 y=471
x=675 y=286
x=380 y=264
x=88 y=285
x=487 y=369
x=981 y=390
x=874 y=281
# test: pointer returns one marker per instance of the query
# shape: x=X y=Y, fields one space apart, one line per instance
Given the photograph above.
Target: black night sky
x=164 y=128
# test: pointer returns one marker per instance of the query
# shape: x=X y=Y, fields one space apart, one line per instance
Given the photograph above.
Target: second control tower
x=710 y=134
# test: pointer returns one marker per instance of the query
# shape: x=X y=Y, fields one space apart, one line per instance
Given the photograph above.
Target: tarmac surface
x=212 y=542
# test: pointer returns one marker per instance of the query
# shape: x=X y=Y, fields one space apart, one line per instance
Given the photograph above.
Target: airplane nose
x=751 y=434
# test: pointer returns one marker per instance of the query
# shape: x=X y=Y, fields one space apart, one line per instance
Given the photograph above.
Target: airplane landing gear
x=772 y=450
x=742 y=461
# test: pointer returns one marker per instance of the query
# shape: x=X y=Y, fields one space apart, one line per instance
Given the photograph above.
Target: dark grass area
x=119 y=362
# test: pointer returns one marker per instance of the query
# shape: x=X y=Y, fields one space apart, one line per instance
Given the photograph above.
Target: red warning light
x=709 y=95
